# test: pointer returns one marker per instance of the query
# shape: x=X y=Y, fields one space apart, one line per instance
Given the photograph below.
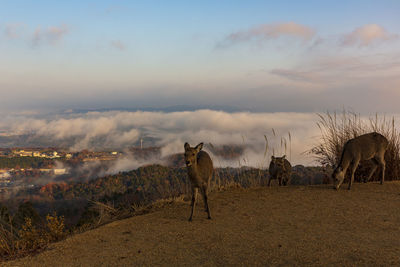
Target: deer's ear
x=187 y=146
x=199 y=147
x=284 y=156
x=272 y=157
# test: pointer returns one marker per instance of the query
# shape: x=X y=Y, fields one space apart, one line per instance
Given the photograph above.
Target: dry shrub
x=30 y=237
x=337 y=129
x=7 y=234
x=7 y=242
x=55 y=228
x=97 y=213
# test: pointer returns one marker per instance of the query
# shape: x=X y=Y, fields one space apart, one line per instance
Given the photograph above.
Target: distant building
x=4 y=174
x=55 y=171
x=23 y=153
x=60 y=171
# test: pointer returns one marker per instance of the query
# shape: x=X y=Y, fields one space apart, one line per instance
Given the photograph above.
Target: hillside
x=296 y=225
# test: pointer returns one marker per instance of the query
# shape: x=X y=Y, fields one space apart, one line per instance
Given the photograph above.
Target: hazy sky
x=288 y=56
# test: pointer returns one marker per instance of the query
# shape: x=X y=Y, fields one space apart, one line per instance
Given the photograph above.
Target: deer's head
x=191 y=154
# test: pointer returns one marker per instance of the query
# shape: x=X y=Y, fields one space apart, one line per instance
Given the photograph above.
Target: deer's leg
x=205 y=199
x=280 y=180
x=382 y=164
x=204 y=194
x=353 y=170
x=339 y=183
x=286 y=179
x=269 y=180
x=376 y=163
x=194 y=197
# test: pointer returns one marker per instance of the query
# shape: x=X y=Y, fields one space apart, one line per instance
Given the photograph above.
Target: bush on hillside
x=31 y=235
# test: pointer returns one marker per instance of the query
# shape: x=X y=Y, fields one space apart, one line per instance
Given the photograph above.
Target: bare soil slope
x=302 y=226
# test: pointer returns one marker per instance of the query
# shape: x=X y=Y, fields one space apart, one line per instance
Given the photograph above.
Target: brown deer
x=279 y=168
x=200 y=169
x=364 y=147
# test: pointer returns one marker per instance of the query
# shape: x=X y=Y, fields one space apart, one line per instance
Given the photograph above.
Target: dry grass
x=336 y=129
x=107 y=213
x=29 y=238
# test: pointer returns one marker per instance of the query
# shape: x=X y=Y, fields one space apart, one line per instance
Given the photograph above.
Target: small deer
x=200 y=169
x=280 y=169
x=364 y=147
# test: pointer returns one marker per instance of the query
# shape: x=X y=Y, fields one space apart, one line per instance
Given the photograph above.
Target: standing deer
x=364 y=147
x=280 y=169
x=200 y=168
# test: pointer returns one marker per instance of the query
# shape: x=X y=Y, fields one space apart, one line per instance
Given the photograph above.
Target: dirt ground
x=277 y=226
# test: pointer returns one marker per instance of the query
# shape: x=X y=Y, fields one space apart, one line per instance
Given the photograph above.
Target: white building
x=60 y=171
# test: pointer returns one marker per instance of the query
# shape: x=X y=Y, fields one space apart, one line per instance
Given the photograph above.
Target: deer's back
x=366 y=146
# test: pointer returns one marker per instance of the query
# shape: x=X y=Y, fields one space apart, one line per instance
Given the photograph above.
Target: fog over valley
x=118 y=130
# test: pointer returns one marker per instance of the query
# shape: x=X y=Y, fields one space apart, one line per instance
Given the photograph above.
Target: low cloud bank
x=119 y=130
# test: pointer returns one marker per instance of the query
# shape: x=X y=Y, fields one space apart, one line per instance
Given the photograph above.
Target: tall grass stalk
x=336 y=129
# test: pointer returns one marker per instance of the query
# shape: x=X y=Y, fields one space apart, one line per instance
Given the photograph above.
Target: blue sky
x=297 y=56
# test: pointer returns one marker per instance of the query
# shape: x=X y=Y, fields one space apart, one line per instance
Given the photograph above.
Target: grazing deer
x=200 y=168
x=364 y=147
x=280 y=169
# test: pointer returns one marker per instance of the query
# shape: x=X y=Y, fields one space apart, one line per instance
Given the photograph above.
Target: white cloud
x=37 y=36
x=367 y=35
x=366 y=71
x=170 y=131
x=13 y=30
x=270 y=31
x=117 y=44
x=295 y=75
x=52 y=35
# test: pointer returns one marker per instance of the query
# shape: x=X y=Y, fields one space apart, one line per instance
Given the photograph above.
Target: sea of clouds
x=282 y=133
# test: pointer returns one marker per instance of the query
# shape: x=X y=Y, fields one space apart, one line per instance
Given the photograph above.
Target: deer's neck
x=345 y=161
x=192 y=170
